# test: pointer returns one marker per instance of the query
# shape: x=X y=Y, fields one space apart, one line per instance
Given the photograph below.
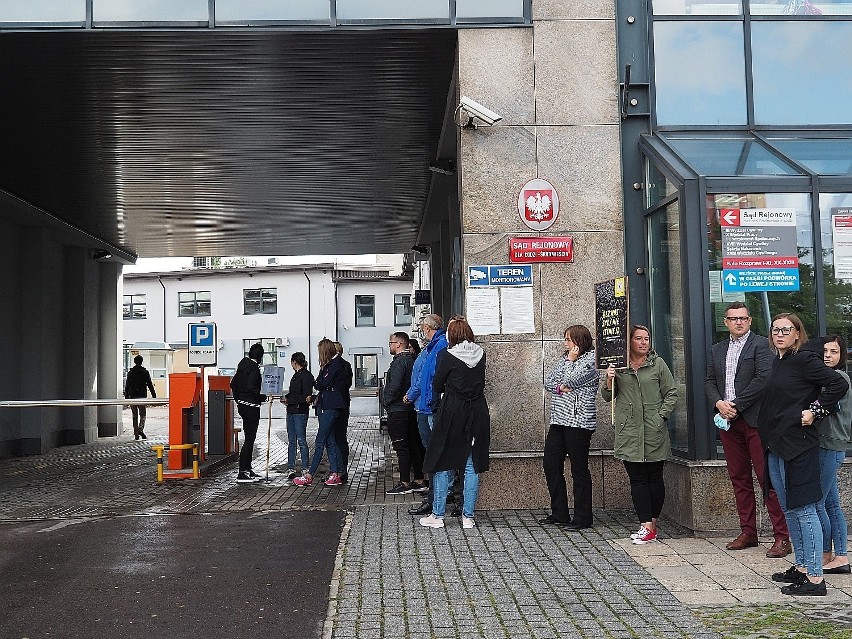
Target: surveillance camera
x=476 y=112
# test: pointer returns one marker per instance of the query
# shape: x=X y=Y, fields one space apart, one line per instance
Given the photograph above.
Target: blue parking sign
x=201 y=344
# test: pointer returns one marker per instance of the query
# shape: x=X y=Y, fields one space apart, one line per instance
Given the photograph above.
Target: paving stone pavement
x=508 y=576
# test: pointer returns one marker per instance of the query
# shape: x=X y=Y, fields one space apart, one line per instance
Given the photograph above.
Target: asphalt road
x=233 y=575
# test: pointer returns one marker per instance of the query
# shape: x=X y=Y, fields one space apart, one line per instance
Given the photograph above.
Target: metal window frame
x=357 y=304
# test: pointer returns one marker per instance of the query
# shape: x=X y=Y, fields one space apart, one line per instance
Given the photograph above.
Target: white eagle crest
x=539 y=206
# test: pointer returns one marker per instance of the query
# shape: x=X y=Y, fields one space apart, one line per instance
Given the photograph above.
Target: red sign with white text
x=529 y=250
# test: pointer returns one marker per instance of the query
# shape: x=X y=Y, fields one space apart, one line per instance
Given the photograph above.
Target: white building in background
x=287 y=308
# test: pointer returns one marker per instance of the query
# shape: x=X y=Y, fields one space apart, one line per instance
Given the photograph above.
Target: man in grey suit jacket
x=736 y=377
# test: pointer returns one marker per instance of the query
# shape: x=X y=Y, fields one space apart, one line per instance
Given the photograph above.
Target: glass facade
x=748 y=180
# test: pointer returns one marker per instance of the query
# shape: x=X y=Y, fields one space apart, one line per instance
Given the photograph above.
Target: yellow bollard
x=159 y=448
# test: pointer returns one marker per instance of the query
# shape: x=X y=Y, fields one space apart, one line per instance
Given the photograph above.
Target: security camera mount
x=475 y=113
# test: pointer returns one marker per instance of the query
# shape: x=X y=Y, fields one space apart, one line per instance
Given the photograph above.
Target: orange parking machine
x=186 y=418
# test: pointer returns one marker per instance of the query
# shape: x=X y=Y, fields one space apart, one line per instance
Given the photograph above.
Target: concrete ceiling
x=176 y=143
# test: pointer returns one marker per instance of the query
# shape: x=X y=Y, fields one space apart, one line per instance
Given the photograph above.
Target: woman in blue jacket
x=329 y=402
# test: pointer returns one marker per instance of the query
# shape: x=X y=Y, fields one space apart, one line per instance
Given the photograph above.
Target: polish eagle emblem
x=539 y=206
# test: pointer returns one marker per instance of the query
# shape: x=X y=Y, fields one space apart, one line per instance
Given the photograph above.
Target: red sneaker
x=333 y=480
x=645 y=536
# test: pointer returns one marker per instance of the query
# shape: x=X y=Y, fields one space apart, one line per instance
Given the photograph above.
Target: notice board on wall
x=612 y=323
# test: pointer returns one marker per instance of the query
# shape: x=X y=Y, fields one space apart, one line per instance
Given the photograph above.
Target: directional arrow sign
x=731 y=279
x=730 y=216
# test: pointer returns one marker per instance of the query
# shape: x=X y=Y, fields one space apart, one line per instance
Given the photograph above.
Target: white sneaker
x=467 y=522
x=639 y=533
x=432 y=522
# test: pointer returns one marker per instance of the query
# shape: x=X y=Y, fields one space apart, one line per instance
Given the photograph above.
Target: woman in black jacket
x=297 y=400
x=329 y=402
x=461 y=433
x=800 y=390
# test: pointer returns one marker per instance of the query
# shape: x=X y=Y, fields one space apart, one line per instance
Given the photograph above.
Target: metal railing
x=51 y=403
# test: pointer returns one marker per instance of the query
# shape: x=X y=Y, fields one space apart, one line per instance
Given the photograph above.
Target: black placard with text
x=612 y=322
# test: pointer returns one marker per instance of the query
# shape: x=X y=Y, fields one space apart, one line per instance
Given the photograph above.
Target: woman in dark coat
x=461 y=434
x=800 y=390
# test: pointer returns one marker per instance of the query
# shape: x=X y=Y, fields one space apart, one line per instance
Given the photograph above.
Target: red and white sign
x=528 y=250
x=538 y=204
x=729 y=217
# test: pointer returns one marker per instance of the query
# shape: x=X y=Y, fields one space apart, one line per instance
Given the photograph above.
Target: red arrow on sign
x=729 y=217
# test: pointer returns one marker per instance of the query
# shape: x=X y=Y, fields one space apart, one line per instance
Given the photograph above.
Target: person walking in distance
x=402 y=421
x=736 y=379
x=136 y=385
x=245 y=387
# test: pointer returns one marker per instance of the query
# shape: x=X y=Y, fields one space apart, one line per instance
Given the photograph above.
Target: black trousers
x=340 y=428
x=139 y=413
x=251 y=420
x=562 y=441
x=646 y=488
x=405 y=439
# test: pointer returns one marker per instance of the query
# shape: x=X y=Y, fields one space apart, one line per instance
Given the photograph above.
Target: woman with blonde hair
x=329 y=402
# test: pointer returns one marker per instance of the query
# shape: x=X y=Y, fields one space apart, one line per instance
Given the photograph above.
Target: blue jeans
x=297 y=428
x=441 y=481
x=424 y=426
x=830 y=514
x=325 y=439
x=803 y=522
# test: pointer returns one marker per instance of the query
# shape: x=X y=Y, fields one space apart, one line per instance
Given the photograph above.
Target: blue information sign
x=500 y=275
x=760 y=279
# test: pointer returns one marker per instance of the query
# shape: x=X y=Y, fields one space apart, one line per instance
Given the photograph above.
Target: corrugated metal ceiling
x=227 y=143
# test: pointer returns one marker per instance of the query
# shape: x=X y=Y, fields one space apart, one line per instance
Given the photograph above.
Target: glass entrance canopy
x=751 y=155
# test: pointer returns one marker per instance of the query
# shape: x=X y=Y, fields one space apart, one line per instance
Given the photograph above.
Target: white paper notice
x=483 y=310
x=842 y=236
x=516 y=307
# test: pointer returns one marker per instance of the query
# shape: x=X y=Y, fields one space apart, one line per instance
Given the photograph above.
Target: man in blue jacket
x=420 y=393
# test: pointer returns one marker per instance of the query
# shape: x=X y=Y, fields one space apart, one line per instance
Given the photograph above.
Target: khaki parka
x=644 y=399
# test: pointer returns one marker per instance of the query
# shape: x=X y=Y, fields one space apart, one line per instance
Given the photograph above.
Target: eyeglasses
x=389 y=343
x=782 y=330
x=737 y=319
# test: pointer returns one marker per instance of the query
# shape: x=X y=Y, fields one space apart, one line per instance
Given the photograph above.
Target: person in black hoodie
x=136 y=385
x=245 y=387
x=800 y=390
x=297 y=400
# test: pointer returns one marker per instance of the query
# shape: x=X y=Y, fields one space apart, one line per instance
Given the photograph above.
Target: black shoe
x=789 y=576
x=142 y=435
x=399 y=489
x=805 y=588
x=243 y=478
x=550 y=519
x=838 y=570
x=344 y=478
x=254 y=475
x=291 y=473
x=424 y=508
x=575 y=526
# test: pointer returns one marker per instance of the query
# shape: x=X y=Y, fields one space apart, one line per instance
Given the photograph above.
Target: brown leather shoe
x=781 y=548
x=742 y=542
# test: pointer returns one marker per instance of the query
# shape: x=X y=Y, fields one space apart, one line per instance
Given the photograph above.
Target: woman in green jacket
x=645 y=396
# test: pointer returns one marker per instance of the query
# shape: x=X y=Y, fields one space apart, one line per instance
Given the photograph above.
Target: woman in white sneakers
x=461 y=434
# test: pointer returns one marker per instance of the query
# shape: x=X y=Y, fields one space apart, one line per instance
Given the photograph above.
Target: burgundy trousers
x=744 y=451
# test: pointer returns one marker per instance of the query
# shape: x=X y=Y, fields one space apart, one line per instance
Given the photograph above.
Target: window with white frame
x=260 y=300
x=402 y=314
x=194 y=304
x=135 y=306
x=366 y=371
x=365 y=310
x=270 y=352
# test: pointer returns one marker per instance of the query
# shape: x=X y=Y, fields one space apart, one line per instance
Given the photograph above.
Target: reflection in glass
x=835 y=212
x=150 y=11
x=44 y=11
x=801 y=7
x=824 y=156
x=489 y=8
x=728 y=156
x=699 y=73
x=657 y=185
x=392 y=10
x=271 y=10
x=762 y=305
x=696 y=7
x=798 y=77
x=664 y=253
x=366 y=371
